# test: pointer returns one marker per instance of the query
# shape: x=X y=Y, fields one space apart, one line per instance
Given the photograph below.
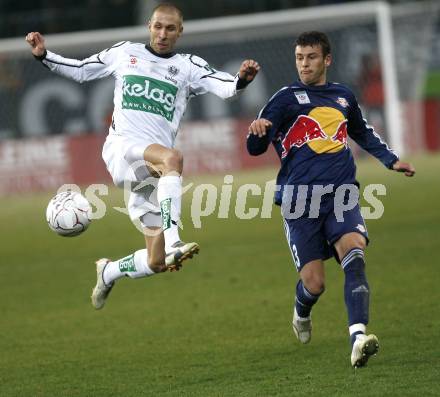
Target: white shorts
x=124 y=158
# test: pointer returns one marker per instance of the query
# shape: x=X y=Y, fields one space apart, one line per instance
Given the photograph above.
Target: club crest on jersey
x=302 y=97
x=343 y=102
x=173 y=71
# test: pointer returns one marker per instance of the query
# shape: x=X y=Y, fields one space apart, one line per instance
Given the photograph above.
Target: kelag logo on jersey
x=149 y=95
x=323 y=130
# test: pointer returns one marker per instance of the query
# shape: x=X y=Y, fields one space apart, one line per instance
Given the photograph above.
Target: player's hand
x=36 y=41
x=407 y=168
x=248 y=70
x=259 y=127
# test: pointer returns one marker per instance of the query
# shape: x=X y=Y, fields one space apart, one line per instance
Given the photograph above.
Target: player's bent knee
x=156 y=262
x=173 y=161
x=349 y=242
x=313 y=277
x=157 y=266
x=317 y=288
x=359 y=241
x=315 y=285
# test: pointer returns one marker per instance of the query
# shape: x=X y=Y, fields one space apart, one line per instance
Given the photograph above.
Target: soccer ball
x=68 y=214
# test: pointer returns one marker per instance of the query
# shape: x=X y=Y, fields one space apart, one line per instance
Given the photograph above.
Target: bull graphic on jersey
x=323 y=130
x=304 y=129
x=341 y=133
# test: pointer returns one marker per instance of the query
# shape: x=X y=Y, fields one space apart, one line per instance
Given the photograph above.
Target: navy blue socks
x=356 y=292
x=304 y=300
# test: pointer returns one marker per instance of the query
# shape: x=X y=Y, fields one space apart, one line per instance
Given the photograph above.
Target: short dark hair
x=314 y=38
x=168 y=7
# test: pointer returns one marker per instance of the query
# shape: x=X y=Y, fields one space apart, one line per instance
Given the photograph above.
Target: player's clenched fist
x=259 y=127
x=248 y=69
x=36 y=41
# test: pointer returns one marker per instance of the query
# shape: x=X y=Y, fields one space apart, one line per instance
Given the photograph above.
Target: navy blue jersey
x=310 y=125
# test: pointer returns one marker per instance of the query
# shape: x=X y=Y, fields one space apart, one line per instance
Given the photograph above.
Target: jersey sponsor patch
x=149 y=95
x=302 y=97
x=133 y=62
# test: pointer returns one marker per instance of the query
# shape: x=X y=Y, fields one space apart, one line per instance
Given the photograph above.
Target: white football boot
x=101 y=290
x=302 y=327
x=363 y=347
x=180 y=251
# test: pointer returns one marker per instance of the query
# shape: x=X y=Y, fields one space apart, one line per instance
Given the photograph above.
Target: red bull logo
x=303 y=130
x=341 y=133
x=324 y=130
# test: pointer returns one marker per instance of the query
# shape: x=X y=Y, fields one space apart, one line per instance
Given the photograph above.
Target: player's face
x=165 y=28
x=311 y=64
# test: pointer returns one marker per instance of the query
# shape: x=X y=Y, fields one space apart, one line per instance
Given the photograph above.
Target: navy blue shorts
x=313 y=238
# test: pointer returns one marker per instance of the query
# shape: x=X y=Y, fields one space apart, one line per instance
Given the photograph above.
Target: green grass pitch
x=220 y=327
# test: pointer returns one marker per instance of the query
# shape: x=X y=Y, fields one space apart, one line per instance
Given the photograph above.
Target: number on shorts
x=295 y=256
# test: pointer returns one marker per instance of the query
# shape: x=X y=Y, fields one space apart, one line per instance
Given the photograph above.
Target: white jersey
x=151 y=91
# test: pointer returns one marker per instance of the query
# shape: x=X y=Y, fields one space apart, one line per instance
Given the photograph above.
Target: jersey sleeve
x=205 y=79
x=273 y=111
x=94 y=67
x=367 y=138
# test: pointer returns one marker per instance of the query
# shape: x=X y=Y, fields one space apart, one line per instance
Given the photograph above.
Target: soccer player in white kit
x=153 y=85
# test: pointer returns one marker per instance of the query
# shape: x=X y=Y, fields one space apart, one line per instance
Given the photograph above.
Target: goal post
x=391 y=90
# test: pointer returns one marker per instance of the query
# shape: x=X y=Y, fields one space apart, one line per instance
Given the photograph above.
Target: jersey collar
x=169 y=55
x=312 y=87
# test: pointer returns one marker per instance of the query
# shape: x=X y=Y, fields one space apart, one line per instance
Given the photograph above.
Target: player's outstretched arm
x=248 y=70
x=36 y=41
x=407 y=168
x=94 y=67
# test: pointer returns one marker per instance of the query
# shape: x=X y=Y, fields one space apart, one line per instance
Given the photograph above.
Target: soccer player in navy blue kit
x=308 y=123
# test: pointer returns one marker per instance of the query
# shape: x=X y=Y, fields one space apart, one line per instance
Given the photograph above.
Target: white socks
x=134 y=266
x=169 y=195
x=357 y=328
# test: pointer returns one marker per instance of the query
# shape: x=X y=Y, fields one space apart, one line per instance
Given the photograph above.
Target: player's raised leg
x=168 y=163
x=143 y=263
x=350 y=248
x=107 y=272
